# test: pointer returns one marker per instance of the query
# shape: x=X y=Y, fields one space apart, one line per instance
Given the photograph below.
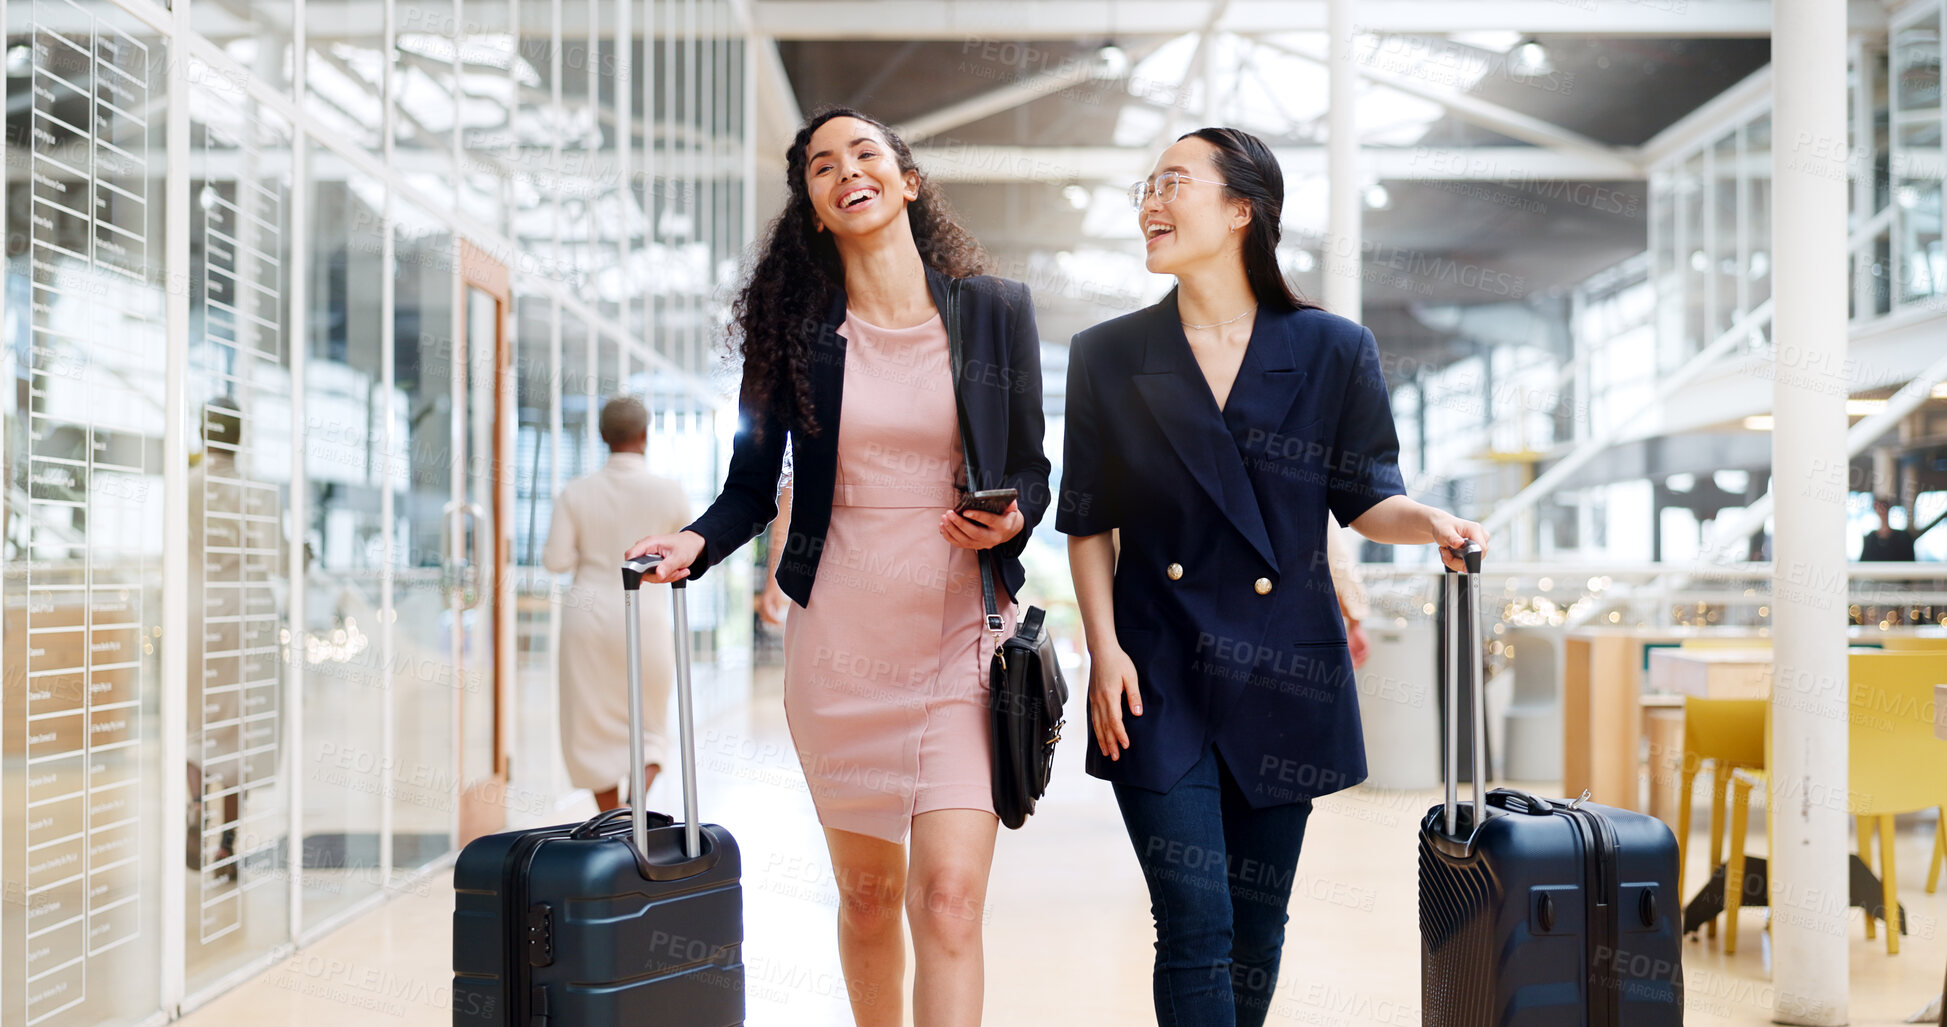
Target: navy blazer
x=1000 y=389
x=1223 y=595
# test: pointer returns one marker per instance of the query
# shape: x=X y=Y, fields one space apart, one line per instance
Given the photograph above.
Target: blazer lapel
x=1269 y=382
x=985 y=405
x=827 y=385
x=1179 y=399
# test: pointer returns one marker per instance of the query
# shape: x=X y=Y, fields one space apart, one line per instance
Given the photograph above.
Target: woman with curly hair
x=845 y=357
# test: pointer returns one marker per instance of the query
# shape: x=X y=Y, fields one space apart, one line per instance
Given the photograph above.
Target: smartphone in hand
x=986 y=500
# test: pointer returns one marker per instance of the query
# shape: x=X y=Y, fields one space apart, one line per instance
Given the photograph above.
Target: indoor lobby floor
x=1068 y=935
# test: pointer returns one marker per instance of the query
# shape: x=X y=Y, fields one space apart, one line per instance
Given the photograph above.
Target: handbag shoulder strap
x=956 y=361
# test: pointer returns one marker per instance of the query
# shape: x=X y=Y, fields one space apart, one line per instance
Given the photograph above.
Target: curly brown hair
x=781 y=311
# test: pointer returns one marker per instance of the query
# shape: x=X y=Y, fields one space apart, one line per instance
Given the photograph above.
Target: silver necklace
x=1220 y=324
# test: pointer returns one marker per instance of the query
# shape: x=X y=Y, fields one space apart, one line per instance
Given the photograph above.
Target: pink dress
x=885 y=681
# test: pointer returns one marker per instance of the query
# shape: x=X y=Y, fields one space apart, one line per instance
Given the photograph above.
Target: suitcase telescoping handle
x=1462 y=624
x=632 y=572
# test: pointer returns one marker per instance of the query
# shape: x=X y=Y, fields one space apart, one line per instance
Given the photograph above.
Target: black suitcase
x=628 y=919
x=1546 y=913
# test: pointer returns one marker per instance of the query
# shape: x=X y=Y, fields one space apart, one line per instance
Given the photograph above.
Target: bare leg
x=953 y=852
x=610 y=798
x=871 y=875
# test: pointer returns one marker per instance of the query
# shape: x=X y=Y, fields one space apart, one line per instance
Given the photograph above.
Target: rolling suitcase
x=1543 y=913
x=627 y=919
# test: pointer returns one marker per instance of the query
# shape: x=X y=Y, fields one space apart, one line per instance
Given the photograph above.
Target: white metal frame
x=1736 y=109
x=1068 y=19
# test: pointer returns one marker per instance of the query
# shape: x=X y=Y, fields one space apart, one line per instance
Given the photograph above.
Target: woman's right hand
x=773 y=604
x=678 y=552
x=1111 y=678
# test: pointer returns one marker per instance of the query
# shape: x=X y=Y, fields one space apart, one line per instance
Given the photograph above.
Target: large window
x=1918 y=265
x=1710 y=230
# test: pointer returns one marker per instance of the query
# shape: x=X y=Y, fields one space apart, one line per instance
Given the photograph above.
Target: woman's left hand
x=1450 y=533
x=978 y=529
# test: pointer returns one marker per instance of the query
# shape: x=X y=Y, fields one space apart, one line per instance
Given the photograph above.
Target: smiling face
x=1195 y=227
x=853 y=179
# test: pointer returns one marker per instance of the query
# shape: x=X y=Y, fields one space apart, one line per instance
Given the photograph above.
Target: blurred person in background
x=1350 y=586
x=1884 y=543
x=595 y=519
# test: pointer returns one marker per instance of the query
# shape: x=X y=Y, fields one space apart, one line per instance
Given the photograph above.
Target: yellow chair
x=1913 y=643
x=1939 y=850
x=1729 y=733
x=1925 y=644
x=1742 y=781
x=1896 y=766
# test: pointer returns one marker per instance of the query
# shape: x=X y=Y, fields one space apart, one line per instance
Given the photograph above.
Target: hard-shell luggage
x=627 y=919
x=1544 y=913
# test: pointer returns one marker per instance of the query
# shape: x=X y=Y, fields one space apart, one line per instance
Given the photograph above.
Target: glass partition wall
x=90 y=840
x=279 y=468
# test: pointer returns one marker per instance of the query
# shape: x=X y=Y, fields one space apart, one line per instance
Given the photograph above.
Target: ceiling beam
x=1071 y=71
x=1033 y=87
x=1060 y=165
x=1493 y=116
x=1718 y=115
x=977 y=21
x=973 y=21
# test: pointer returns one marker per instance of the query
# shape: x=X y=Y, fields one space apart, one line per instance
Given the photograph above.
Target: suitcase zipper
x=1600 y=844
x=515 y=911
x=521 y=1000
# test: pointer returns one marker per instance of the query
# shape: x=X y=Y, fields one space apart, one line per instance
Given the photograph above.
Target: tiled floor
x=1068 y=941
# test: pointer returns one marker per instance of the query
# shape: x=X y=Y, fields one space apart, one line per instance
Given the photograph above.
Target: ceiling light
x=1864 y=407
x=1303 y=262
x=1758 y=422
x=1699 y=262
x=1378 y=198
x=1529 y=58
x=1111 y=61
x=1939 y=391
x=20 y=60
x=1076 y=196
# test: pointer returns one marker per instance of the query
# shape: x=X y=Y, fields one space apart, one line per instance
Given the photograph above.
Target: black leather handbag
x=1026 y=692
x=1026 y=695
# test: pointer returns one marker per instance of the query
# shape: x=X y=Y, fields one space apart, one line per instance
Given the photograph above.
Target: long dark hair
x=781 y=311
x=1251 y=173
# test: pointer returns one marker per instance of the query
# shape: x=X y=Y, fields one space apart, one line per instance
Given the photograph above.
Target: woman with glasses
x=1213 y=433
x=846 y=359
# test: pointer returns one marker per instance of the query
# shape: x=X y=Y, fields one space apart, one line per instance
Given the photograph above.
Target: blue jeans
x=1220 y=876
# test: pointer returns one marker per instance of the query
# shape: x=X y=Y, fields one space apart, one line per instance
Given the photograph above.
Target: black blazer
x=1223 y=595
x=1000 y=389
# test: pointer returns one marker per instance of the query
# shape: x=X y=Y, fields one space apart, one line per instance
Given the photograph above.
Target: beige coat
x=595 y=521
